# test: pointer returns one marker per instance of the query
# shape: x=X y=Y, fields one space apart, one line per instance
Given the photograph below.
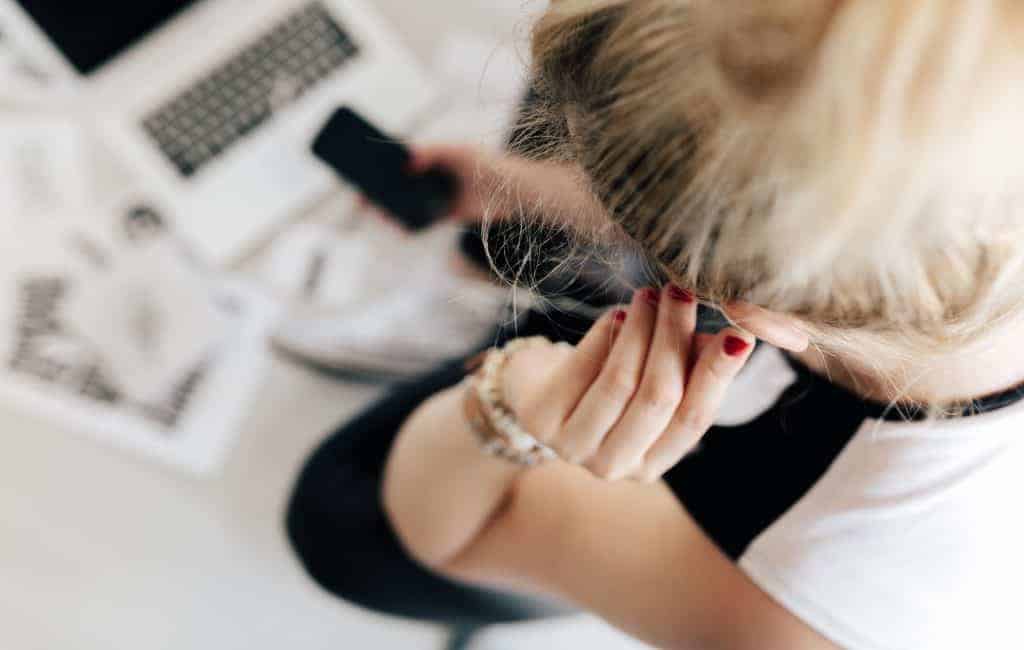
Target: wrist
x=486 y=408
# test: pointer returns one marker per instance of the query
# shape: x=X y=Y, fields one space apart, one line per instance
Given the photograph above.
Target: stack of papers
x=108 y=325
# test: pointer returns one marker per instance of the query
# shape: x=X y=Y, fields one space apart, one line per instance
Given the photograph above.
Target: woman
x=839 y=176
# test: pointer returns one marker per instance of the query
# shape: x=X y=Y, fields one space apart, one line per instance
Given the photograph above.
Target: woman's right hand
x=475 y=169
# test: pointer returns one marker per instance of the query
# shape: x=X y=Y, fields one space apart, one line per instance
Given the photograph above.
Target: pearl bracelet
x=489 y=416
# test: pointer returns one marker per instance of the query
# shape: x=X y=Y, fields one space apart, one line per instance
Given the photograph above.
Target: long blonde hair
x=854 y=163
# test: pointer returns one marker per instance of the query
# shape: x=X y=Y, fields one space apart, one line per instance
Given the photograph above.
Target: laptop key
x=235 y=97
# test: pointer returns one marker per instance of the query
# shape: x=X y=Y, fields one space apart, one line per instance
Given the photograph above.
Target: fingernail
x=735 y=346
x=682 y=295
x=620 y=316
x=652 y=296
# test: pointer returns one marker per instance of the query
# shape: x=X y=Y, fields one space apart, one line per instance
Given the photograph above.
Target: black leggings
x=340 y=532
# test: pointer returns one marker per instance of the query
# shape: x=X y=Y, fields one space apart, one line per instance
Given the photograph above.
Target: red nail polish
x=735 y=346
x=620 y=317
x=652 y=296
x=682 y=295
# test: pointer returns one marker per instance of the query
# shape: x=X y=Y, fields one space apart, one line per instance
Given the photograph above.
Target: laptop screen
x=91 y=32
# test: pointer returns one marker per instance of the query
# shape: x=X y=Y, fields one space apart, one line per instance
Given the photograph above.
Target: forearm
x=440 y=490
x=553 y=192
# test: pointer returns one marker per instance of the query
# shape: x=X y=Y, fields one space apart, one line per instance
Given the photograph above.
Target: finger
x=608 y=395
x=780 y=330
x=424 y=158
x=544 y=411
x=717 y=366
x=660 y=392
x=700 y=341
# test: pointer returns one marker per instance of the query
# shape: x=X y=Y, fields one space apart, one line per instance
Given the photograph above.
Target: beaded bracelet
x=494 y=423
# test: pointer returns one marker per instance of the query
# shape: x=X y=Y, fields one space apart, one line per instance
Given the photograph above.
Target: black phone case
x=378 y=166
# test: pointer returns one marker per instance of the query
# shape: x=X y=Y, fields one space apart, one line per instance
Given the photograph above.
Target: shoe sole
x=351 y=371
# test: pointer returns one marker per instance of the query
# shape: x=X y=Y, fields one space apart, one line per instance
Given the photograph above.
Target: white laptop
x=215 y=102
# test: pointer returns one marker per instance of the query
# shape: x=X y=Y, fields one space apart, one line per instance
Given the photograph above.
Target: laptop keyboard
x=242 y=93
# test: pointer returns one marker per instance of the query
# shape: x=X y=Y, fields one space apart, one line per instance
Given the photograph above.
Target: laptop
x=214 y=103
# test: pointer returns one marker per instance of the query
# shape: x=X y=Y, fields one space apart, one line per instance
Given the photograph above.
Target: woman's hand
x=637 y=393
x=505 y=186
x=475 y=169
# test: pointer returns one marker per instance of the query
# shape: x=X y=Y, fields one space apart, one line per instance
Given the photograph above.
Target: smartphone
x=378 y=165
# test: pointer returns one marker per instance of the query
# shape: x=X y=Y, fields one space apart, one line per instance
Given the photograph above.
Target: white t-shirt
x=878 y=532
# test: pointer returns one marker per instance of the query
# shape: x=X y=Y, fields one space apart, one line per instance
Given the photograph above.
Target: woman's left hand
x=636 y=394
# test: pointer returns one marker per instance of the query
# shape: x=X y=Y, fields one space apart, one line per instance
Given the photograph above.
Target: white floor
x=99 y=550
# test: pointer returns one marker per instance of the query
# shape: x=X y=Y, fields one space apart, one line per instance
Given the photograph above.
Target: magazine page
x=107 y=324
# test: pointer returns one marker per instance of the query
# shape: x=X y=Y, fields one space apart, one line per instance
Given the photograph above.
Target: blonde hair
x=854 y=163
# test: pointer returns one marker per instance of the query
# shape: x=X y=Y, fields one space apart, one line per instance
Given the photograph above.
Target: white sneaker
x=409 y=330
x=388 y=305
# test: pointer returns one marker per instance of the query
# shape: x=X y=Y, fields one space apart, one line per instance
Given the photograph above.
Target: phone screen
x=377 y=165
